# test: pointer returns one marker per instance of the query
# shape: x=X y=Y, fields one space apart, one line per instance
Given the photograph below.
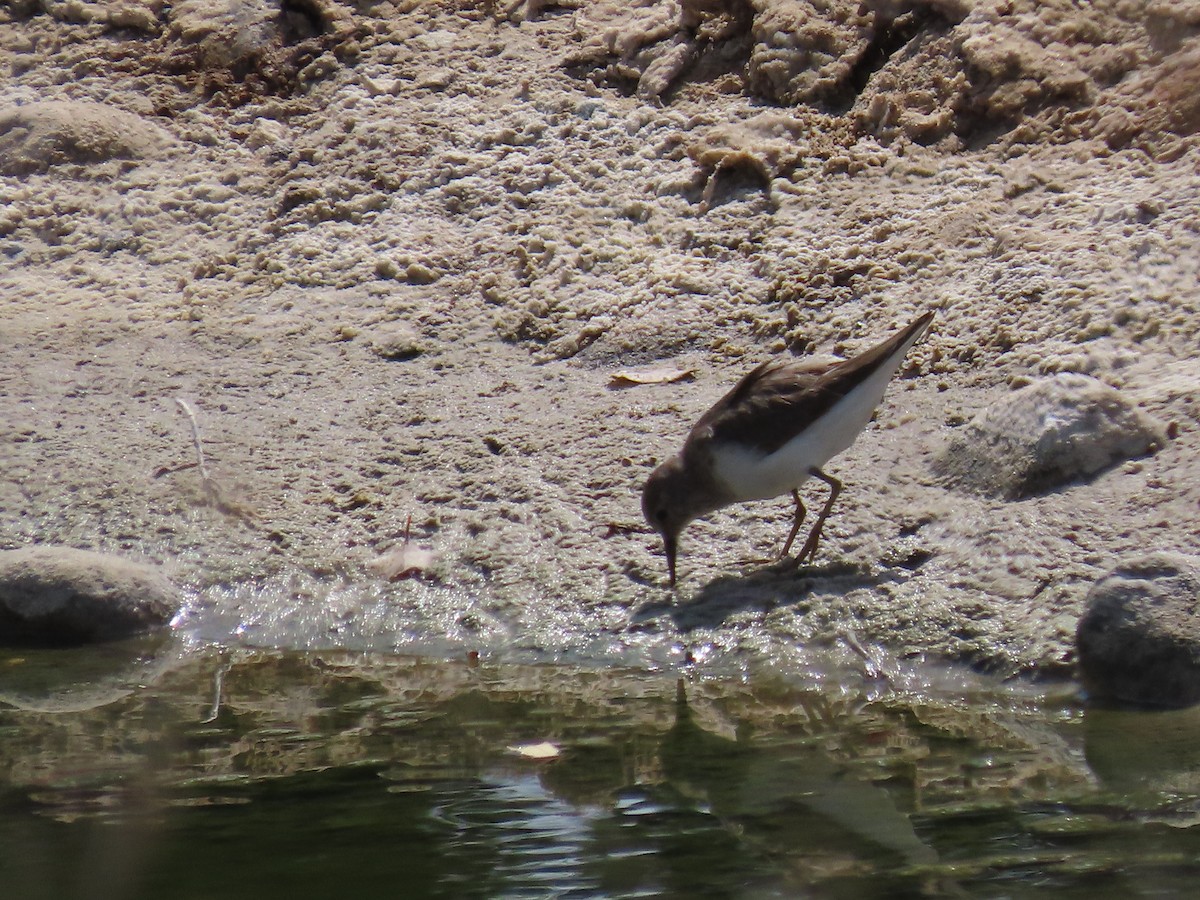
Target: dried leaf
x=629 y=377
x=544 y=750
x=406 y=561
x=409 y=560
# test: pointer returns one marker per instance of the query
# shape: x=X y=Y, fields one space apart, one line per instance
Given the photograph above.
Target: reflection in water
x=263 y=775
x=793 y=796
x=1158 y=750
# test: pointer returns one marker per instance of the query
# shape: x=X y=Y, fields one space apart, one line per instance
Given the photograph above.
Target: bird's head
x=667 y=505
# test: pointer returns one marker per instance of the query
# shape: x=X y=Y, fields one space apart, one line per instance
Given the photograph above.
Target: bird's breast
x=745 y=473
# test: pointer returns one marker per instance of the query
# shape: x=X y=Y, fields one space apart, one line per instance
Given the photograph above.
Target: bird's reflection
x=796 y=796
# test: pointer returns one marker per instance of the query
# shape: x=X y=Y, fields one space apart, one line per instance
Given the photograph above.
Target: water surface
x=144 y=771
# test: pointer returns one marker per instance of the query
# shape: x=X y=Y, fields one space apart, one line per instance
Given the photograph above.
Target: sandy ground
x=390 y=256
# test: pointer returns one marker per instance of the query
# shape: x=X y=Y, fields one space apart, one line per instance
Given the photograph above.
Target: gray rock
x=1138 y=640
x=1046 y=435
x=242 y=35
x=37 y=136
x=62 y=596
x=396 y=340
x=229 y=33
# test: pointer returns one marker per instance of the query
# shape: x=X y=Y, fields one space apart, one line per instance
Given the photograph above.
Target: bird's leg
x=810 y=546
x=800 y=511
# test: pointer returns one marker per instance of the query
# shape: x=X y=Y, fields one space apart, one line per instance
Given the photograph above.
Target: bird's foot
x=809 y=550
x=783 y=564
x=794 y=563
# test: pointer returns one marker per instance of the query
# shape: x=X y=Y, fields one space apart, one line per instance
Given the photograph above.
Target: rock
x=770 y=144
x=610 y=28
x=396 y=340
x=90 y=676
x=674 y=56
x=917 y=95
x=1046 y=435
x=1138 y=640
x=229 y=33
x=239 y=35
x=806 y=52
x=62 y=596
x=37 y=136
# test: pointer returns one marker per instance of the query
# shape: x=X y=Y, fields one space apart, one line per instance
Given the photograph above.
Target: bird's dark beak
x=671 y=544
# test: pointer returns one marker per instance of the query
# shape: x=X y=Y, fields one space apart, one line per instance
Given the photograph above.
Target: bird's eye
x=661 y=514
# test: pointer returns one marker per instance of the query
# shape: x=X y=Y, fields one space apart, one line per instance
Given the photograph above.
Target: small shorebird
x=777 y=427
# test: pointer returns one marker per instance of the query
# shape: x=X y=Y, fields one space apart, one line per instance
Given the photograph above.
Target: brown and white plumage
x=774 y=430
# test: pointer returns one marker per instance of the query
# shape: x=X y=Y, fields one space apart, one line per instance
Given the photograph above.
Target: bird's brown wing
x=767 y=408
x=774 y=402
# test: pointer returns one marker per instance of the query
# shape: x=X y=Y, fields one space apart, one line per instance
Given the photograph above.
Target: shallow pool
x=136 y=772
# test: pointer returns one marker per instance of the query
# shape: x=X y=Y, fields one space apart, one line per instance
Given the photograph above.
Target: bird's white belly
x=752 y=475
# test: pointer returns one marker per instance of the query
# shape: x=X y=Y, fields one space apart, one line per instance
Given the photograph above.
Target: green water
x=139 y=773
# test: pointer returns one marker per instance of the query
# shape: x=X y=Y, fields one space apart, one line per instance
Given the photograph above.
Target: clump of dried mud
x=391 y=253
